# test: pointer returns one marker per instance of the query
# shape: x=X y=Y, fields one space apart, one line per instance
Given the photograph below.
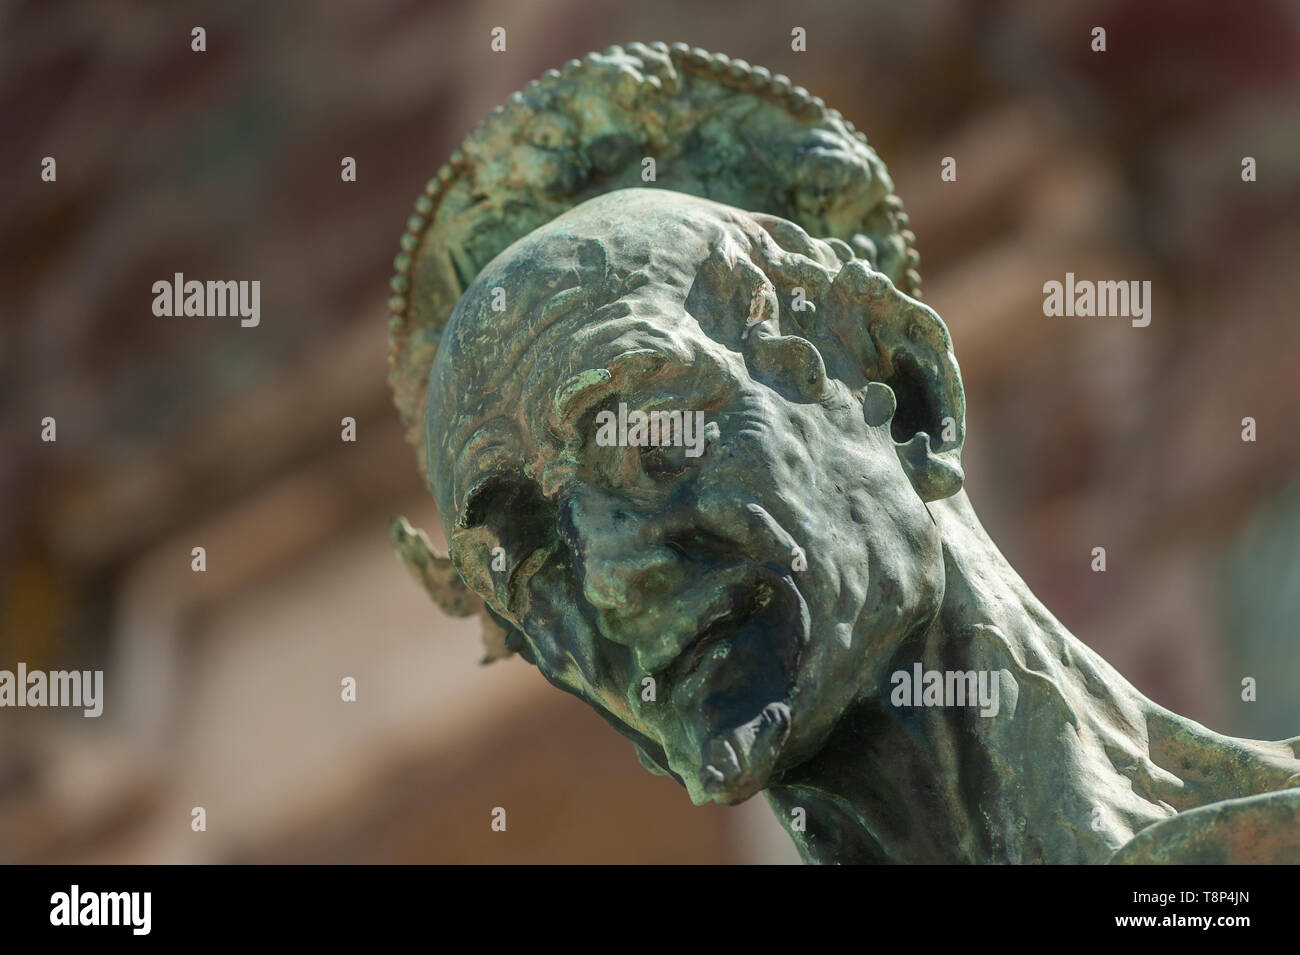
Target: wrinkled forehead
x=610 y=247
x=609 y=277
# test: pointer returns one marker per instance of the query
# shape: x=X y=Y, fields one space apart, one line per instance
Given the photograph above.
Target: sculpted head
x=720 y=608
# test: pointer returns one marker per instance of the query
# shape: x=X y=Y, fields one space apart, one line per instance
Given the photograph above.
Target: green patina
x=821 y=545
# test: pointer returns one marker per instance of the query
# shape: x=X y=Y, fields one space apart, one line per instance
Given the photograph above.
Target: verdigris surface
x=798 y=598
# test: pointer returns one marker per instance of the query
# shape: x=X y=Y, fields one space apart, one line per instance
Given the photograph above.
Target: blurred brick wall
x=176 y=432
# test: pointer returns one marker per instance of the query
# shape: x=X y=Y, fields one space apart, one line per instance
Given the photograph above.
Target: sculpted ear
x=904 y=350
x=445 y=585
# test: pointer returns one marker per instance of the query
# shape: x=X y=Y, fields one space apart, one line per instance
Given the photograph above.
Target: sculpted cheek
x=899 y=582
x=917 y=557
x=865 y=515
x=854 y=592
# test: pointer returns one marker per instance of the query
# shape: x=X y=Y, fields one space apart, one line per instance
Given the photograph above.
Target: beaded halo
x=646 y=115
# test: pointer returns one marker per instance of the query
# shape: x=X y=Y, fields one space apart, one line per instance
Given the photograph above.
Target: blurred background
x=222 y=688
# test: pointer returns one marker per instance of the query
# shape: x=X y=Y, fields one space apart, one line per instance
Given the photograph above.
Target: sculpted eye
x=672 y=442
x=663 y=463
x=507 y=530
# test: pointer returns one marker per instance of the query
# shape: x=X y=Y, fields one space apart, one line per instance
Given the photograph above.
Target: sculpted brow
x=579 y=394
x=582 y=391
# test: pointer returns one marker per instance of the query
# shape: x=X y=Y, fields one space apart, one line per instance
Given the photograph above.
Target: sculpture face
x=740 y=613
x=763 y=584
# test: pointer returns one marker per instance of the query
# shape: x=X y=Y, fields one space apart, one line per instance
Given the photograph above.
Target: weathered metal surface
x=760 y=604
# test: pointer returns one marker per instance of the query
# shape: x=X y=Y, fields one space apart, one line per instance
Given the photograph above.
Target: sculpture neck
x=1073 y=762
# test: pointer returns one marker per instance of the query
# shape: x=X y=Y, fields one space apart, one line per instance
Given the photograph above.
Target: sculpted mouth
x=744 y=610
x=736 y=679
x=747 y=657
x=765 y=609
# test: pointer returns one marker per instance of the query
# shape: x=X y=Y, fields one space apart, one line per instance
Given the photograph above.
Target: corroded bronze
x=784 y=611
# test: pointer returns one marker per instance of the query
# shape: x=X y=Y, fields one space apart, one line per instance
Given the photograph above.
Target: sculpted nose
x=626 y=566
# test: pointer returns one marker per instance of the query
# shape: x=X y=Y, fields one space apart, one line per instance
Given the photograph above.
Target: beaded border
x=740 y=74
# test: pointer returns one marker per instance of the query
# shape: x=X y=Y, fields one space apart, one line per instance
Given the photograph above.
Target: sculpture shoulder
x=1262 y=829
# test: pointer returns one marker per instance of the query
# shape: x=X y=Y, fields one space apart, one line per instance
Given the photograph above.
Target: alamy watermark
x=653 y=429
x=923 y=687
x=75 y=907
x=209 y=299
x=1085 y=298
x=60 y=688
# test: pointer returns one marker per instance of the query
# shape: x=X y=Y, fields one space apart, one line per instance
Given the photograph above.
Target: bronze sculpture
x=806 y=606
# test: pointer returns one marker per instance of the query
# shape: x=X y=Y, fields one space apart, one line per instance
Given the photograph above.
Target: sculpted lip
x=724 y=627
x=738 y=675
x=767 y=616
